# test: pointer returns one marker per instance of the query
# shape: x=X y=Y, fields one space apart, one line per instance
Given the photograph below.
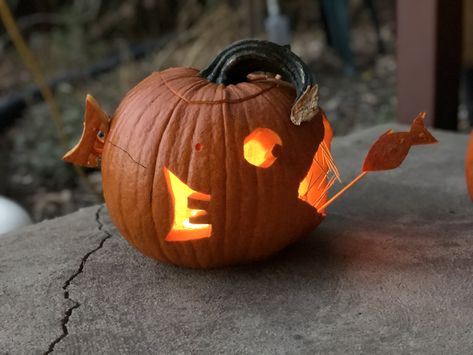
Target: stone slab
x=35 y=262
x=390 y=270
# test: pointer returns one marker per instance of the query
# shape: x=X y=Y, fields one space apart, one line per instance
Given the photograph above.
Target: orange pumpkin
x=212 y=168
x=469 y=166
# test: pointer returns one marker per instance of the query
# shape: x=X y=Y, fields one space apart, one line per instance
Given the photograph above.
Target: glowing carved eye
x=261 y=147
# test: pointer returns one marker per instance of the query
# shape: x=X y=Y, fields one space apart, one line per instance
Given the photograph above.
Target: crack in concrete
x=65 y=286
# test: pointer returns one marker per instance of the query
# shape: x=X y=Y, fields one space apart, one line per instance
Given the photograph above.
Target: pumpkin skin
x=469 y=166
x=254 y=212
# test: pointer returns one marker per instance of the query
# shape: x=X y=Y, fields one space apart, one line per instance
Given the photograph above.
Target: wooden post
x=255 y=17
x=429 y=60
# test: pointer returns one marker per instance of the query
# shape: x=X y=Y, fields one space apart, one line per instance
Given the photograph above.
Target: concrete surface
x=389 y=271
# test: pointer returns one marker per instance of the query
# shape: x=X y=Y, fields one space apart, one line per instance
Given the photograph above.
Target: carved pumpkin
x=205 y=169
x=218 y=167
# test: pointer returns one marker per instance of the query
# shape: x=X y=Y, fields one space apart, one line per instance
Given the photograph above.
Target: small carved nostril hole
x=199 y=147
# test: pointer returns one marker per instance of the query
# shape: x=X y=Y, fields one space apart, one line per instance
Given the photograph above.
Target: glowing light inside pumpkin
x=388 y=152
x=182 y=227
x=322 y=174
x=259 y=146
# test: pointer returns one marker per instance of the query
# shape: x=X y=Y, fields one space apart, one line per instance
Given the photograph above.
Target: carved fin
x=306 y=107
x=420 y=134
x=96 y=125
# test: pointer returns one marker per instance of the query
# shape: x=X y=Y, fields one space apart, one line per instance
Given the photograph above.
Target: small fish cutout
x=469 y=167
x=88 y=151
x=390 y=150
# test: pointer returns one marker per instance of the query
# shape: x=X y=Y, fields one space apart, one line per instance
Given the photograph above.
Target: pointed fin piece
x=96 y=125
x=391 y=148
x=306 y=107
x=418 y=132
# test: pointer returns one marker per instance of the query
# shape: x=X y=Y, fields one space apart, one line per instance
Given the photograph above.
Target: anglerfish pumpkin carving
x=217 y=167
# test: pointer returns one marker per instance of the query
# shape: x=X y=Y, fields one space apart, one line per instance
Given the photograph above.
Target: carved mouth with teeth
x=190 y=211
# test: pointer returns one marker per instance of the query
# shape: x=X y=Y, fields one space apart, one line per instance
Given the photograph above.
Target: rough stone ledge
x=65 y=286
x=389 y=271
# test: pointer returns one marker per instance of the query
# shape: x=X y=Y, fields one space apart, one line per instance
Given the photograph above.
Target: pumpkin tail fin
x=419 y=133
x=88 y=151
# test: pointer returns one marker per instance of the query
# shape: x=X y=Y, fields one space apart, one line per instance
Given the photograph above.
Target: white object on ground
x=12 y=215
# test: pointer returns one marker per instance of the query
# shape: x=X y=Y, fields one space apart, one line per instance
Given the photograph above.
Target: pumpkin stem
x=244 y=57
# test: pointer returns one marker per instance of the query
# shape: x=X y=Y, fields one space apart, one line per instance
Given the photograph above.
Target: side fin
x=88 y=151
x=419 y=134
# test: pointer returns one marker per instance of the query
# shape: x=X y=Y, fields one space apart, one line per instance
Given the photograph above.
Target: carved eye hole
x=262 y=147
x=198 y=147
x=101 y=136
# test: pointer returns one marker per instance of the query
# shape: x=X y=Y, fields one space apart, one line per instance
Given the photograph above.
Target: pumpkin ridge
x=194 y=244
x=226 y=160
x=205 y=102
x=277 y=112
x=164 y=254
x=129 y=100
x=226 y=113
x=164 y=249
x=121 y=214
x=252 y=237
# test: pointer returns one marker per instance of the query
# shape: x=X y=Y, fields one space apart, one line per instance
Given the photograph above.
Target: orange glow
x=182 y=227
x=388 y=152
x=469 y=166
x=258 y=147
x=322 y=174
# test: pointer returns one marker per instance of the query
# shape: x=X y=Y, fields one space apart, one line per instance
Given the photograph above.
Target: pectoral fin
x=96 y=125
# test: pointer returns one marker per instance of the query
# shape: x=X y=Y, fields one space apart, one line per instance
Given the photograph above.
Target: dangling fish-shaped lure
x=96 y=125
x=390 y=150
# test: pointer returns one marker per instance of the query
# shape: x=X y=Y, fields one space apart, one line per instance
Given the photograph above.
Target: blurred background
x=106 y=47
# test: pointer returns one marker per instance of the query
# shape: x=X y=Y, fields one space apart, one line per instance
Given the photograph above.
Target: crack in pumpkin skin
x=128 y=154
